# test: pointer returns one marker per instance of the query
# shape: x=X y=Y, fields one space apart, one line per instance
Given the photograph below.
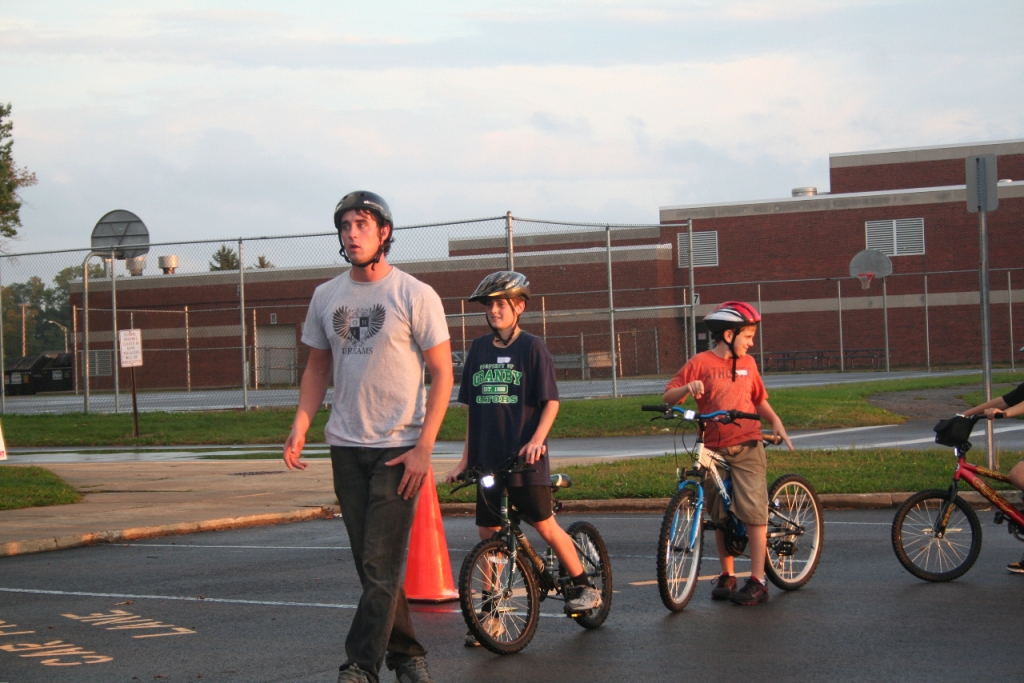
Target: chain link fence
x=221 y=320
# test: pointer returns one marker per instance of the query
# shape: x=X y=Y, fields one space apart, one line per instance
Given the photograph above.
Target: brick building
x=792 y=254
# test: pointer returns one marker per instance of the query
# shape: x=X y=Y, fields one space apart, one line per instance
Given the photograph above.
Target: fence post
x=544 y=319
x=686 y=327
x=3 y=387
x=842 y=353
x=611 y=309
x=462 y=302
x=693 y=294
x=255 y=353
x=636 y=354
x=241 y=309
x=85 y=330
x=760 y=337
x=1009 y=301
x=885 y=322
x=508 y=236
x=583 y=360
x=115 y=361
x=188 y=356
x=927 y=331
x=74 y=341
x=657 y=352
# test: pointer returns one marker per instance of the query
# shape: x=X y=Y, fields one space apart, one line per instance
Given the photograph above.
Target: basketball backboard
x=868 y=265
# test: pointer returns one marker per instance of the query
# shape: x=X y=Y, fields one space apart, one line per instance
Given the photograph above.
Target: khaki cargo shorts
x=749 y=465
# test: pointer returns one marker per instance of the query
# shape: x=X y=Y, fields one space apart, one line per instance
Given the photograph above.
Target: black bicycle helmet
x=361 y=200
x=505 y=284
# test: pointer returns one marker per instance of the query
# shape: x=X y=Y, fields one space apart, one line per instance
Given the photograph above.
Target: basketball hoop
x=868 y=265
x=865 y=279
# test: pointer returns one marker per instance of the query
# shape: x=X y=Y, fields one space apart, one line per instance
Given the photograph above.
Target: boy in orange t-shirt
x=726 y=378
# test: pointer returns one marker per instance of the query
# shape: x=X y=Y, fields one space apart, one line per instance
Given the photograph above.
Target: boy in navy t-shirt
x=509 y=385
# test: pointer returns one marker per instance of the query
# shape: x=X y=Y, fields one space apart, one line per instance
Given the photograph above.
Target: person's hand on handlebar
x=453 y=475
x=533 y=451
x=994 y=413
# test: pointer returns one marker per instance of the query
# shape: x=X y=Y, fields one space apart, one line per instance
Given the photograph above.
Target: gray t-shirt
x=377 y=332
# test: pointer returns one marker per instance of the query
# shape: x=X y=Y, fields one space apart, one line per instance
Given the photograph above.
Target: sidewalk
x=135 y=500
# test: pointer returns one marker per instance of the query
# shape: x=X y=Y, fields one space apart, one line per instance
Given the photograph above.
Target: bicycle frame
x=972 y=475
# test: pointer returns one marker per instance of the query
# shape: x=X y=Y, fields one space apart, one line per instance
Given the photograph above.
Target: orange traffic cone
x=428 y=574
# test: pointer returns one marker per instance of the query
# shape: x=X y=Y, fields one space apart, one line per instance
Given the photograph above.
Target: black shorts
x=534 y=502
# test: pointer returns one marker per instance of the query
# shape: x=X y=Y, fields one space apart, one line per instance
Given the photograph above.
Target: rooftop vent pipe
x=168 y=264
x=804 y=191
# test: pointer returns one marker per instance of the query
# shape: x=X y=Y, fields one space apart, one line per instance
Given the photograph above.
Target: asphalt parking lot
x=274 y=604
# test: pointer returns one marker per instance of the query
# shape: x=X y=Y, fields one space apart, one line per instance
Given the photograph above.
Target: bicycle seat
x=560 y=481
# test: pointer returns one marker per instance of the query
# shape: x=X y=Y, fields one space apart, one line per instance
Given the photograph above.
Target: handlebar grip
x=747 y=416
x=770 y=438
x=999 y=416
x=663 y=408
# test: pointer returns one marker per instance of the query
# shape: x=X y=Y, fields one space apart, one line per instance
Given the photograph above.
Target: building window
x=705 y=249
x=99 y=363
x=900 y=237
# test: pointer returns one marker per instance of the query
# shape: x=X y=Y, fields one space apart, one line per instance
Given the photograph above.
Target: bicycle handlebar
x=729 y=414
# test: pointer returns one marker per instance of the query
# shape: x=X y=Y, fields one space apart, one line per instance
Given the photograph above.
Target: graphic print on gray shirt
x=376 y=332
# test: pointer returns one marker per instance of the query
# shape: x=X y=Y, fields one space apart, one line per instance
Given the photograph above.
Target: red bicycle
x=936 y=534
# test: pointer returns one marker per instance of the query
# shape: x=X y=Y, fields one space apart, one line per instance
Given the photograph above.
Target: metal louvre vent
x=705 y=249
x=900 y=237
x=100 y=363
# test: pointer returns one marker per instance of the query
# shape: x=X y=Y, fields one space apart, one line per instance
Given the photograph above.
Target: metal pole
x=927 y=330
x=686 y=327
x=463 y=303
x=188 y=355
x=986 y=333
x=544 y=318
x=3 y=388
x=760 y=337
x=255 y=353
x=693 y=294
x=1009 y=301
x=657 y=353
x=636 y=354
x=885 y=322
x=74 y=340
x=611 y=309
x=508 y=236
x=839 y=299
x=24 y=351
x=113 y=318
x=241 y=309
x=85 y=330
x=583 y=359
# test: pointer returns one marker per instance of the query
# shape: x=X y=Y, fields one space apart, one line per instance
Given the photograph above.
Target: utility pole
x=24 y=348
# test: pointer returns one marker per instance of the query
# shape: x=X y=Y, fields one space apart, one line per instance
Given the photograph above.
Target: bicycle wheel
x=795 y=532
x=927 y=555
x=680 y=547
x=593 y=556
x=499 y=600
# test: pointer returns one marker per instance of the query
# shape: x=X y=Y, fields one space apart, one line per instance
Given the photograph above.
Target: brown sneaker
x=1017 y=567
x=725 y=586
x=752 y=593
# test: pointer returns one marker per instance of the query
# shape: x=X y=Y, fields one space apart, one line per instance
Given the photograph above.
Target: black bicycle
x=795 y=532
x=503 y=579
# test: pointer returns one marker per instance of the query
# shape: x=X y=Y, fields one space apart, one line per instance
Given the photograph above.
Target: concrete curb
x=829 y=501
x=40 y=545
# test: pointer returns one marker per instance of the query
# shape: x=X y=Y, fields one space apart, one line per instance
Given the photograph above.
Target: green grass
x=839 y=471
x=23 y=487
x=831 y=406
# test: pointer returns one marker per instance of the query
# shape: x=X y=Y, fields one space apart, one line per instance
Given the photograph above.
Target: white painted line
x=1001 y=430
x=233 y=547
x=830 y=432
x=181 y=598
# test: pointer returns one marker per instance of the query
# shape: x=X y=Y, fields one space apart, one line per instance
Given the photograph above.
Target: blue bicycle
x=795 y=531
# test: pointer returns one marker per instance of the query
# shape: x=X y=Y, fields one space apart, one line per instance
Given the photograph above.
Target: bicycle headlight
x=690 y=415
x=487 y=481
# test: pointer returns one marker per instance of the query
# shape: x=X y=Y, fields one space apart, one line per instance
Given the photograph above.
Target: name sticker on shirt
x=742 y=373
x=508 y=359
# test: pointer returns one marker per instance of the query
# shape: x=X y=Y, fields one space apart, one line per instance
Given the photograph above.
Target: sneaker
x=585 y=599
x=725 y=586
x=353 y=674
x=1017 y=567
x=752 y=593
x=470 y=640
x=411 y=670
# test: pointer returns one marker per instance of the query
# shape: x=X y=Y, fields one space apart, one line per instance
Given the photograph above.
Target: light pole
x=62 y=327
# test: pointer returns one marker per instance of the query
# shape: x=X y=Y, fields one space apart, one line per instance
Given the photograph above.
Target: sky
x=239 y=119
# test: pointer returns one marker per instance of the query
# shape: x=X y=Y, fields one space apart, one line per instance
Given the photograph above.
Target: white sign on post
x=131 y=348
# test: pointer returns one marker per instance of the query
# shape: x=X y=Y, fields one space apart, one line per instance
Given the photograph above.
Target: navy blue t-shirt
x=505 y=389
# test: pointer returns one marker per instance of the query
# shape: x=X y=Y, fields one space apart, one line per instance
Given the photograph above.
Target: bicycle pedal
x=1000 y=517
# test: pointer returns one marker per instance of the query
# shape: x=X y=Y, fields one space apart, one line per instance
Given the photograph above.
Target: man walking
x=371 y=329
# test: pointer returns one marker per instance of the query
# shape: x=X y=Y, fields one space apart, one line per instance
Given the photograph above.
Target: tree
x=12 y=178
x=224 y=258
x=263 y=262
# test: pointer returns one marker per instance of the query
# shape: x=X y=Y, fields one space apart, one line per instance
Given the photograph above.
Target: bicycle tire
x=679 y=565
x=593 y=555
x=924 y=555
x=795 y=533
x=504 y=624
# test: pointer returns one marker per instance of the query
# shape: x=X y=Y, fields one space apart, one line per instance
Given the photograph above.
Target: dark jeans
x=378 y=521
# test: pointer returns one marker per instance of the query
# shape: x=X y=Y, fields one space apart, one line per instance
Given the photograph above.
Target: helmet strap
x=498 y=339
x=372 y=263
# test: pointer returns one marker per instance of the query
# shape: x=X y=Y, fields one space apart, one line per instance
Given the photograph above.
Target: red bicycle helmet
x=731 y=315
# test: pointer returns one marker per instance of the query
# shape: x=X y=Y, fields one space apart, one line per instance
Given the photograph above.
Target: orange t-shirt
x=721 y=393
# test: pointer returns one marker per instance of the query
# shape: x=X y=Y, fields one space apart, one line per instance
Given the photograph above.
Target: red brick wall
x=914 y=174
